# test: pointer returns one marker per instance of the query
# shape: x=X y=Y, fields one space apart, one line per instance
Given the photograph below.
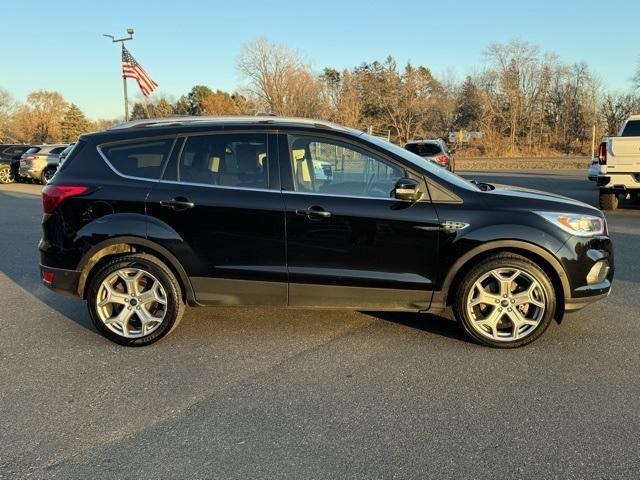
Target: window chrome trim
x=362 y=197
x=174 y=182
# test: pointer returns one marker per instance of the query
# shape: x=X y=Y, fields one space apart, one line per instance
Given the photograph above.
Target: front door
x=224 y=208
x=349 y=242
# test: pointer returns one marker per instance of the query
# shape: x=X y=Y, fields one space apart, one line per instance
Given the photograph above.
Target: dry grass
x=524 y=163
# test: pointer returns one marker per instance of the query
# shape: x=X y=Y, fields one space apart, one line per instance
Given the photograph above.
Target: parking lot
x=258 y=393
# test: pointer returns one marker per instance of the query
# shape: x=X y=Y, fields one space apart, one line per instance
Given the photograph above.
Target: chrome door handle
x=314 y=212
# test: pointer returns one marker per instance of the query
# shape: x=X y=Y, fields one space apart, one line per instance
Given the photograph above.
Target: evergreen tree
x=73 y=124
x=468 y=107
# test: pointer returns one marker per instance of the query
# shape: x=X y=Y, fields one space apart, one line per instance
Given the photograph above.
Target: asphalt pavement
x=273 y=393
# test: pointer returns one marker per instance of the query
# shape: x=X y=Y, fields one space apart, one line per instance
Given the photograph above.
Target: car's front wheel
x=6 y=175
x=505 y=301
x=135 y=300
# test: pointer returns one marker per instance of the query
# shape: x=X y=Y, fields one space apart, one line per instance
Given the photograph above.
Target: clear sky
x=57 y=45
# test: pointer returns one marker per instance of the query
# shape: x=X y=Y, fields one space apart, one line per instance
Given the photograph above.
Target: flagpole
x=126 y=98
x=124 y=79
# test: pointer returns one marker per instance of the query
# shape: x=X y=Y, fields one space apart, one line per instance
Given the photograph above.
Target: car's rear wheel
x=6 y=175
x=135 y=300
x=505 y=301
x=47 y=175
x=608 y=201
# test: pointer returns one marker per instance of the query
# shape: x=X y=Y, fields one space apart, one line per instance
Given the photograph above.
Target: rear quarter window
x=631 y=129
x=142 y=159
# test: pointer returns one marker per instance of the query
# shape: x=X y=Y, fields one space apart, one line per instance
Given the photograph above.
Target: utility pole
x=124 y=79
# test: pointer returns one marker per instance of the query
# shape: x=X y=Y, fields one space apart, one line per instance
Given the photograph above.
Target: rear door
x=349 y=242
x=219 y=210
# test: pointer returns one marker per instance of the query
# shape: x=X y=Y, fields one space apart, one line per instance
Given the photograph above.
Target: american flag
x=132 y=69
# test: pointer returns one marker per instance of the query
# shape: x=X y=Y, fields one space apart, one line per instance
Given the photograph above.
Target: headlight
x=576 y=223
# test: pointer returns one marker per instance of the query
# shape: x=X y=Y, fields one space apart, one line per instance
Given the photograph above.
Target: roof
x=203 y=121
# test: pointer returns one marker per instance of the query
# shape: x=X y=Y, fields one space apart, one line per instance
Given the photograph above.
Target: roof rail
x=190 y=120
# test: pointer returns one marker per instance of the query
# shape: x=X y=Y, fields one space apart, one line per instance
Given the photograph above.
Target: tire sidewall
x=169 y=283
x=486 y=266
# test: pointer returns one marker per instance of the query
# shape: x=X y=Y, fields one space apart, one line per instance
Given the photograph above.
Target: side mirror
x=407 y=189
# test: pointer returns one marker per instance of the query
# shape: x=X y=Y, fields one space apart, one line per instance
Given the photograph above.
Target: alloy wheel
x=6 y=175
x=131 y=303
x=506 y=304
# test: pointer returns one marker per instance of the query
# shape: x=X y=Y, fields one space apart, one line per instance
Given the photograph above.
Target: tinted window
x=57 y=150
x=632 y=129
x=140 y=159
x=333 y=167
x=230 y=160
x=424 y=149
x=32 y=150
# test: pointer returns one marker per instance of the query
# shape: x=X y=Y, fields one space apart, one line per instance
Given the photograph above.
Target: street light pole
x=124 y=79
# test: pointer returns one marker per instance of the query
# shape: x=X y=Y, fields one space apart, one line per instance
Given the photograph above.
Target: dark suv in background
x=10 y=161
x=433 y=150
x=152 y=215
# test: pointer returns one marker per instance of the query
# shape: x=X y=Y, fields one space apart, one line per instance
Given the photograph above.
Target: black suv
x=151 y=215
x=10 y=161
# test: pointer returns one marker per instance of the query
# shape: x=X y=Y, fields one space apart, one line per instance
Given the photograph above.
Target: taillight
x=442 y=159
x=602 y=153
x=30 y=157
x=53 y=195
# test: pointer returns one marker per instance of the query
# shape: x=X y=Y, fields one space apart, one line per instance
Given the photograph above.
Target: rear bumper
x=63 y=281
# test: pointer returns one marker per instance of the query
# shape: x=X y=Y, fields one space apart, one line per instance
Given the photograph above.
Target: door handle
x=178 y=203
x=314 y=213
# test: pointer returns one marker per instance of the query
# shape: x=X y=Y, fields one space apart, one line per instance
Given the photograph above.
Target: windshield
x=422 y=163
x=424 y=149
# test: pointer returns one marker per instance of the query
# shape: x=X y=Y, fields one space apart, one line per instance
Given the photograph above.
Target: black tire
x=6 y=174
x=46 y=175
x=503 y=260
x=608 y=201
x=175 y=304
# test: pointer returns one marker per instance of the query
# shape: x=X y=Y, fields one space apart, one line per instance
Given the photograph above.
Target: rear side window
x=229 y=160
x=632 y=129
x=424 y=149
x=140 y=159
x=32 y=151
x=57 y=150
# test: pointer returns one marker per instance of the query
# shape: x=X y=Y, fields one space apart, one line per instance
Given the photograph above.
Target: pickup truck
x=619 y=165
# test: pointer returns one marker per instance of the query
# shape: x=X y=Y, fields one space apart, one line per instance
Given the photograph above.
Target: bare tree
x=278 y=79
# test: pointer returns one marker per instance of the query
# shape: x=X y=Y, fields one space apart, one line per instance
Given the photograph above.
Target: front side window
x=140 y=159
x=333 y=167
x=228 y=160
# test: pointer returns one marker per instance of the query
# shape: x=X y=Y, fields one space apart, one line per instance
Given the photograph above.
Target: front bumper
x=61 y=280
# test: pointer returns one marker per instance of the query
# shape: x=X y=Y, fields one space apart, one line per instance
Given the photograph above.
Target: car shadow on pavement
x=21 y=215
x=426 y=322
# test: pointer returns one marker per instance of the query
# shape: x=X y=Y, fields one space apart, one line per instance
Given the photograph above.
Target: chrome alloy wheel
x=6 y=175
x=506 y=304
x=131 y=302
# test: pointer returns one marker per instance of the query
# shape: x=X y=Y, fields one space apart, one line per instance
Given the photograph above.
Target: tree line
x=523 y=101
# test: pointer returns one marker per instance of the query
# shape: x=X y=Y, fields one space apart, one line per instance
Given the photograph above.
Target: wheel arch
x=107 y=249
x=543 y=258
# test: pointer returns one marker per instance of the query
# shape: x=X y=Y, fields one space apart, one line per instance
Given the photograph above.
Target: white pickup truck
x=619 y=165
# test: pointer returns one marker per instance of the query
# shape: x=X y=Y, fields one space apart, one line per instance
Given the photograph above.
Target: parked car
x=40 y=162
x=434 y=150
x=619 y=165
x=10 y=161
x=64 y=153
x=155 y=214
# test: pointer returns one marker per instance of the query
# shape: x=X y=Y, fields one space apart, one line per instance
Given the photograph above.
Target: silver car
x=434 y=150
x=40 y=162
